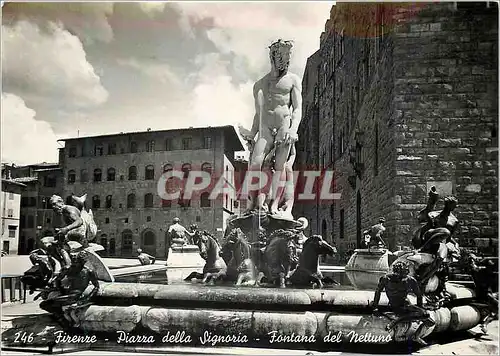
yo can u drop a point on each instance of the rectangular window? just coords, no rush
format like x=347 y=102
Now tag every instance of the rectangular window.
x=50 y=181
x=98 y=150
x=84 y=149
x=150 y=146
x=72 y=151
x=12 y=230
x=186 y=143
x=341 y=224
x=168 y=144
x=112 y=149
x=11 y=196
x=207 y=142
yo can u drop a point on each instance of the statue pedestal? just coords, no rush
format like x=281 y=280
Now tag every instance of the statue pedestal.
x=185 y=256
x=257 y=223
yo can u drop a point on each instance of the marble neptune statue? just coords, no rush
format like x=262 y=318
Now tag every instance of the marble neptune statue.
x=278 y=111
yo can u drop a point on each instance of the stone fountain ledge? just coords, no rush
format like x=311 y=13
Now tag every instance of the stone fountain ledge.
x=233 y=297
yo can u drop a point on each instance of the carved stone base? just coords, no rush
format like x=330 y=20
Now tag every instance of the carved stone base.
x=255 y=222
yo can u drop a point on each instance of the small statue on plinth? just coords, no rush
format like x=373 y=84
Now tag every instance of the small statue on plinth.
x=373 y=236
x=397 y=285
x=179 y=235
x=144 y=258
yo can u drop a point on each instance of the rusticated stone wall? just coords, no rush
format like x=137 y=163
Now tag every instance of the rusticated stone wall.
x=446 y=114
x=417 y=86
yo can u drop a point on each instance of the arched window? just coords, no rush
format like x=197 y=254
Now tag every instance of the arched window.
x=186 y=168
x=131 y=200
x=167 y=168
x=71 y=177
x=96 y=202
x=148 y=200
x=204 y=200
x=149 y=242
x=207 y=167
x=111 y=174
x=149 y=173
x=127 y=242
x=84 y=176
x=149 y=238
x=109 y=200
x=97 y=175
x=133 y=147
x=132 y=173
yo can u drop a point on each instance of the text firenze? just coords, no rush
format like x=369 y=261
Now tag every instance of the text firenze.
x=309 y=186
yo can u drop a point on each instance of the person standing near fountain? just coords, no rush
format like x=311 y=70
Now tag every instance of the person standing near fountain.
x=276 y=121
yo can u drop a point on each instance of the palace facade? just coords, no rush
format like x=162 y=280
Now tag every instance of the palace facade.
x=402 y=97
x=121 y=173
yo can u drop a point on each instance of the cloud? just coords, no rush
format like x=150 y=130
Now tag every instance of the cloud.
x=161 y=72
x=102 y=68
x=88 y=21
x=152 y=8
x=49 y=65
x=25 y=140
x=246 y=29
x=215 y=99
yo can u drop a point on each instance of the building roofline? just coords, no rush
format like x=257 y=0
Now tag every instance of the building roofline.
x=237 y=144
x=47 y=169
x=146 y=132
x=10 y=181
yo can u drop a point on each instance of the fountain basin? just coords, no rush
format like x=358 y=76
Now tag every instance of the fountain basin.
x=260 y=325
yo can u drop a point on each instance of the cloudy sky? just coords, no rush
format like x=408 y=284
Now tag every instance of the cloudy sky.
x=102 y=68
